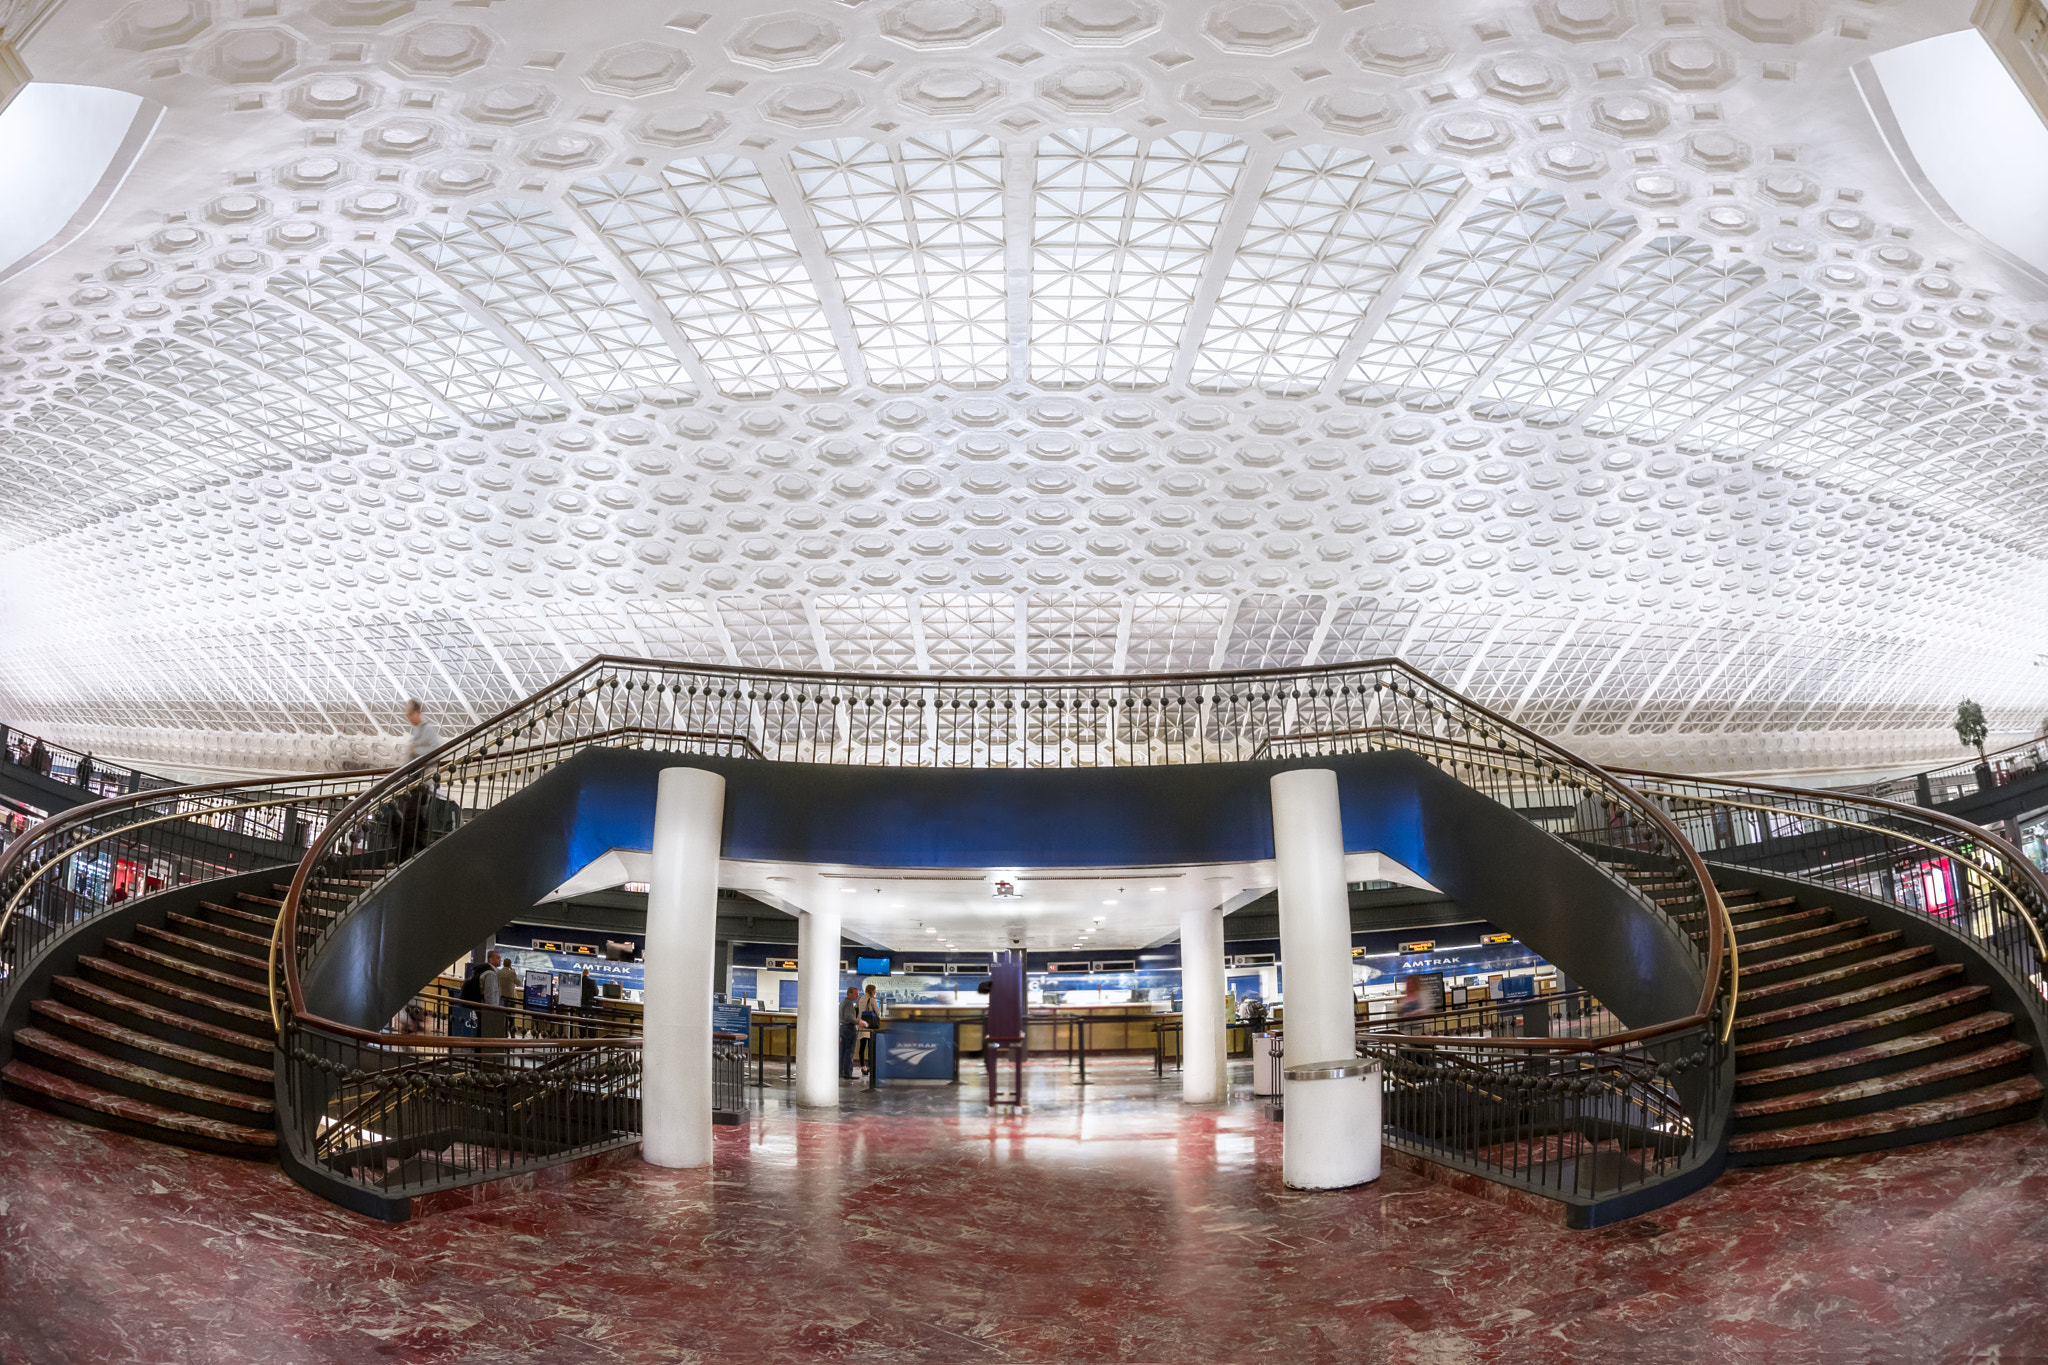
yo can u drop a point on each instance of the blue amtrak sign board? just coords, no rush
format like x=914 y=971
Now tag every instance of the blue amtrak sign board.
x=919 y=1050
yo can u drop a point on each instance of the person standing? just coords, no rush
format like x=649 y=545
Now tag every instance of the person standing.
x=491 y=982
x=871 y=1026
x=849 y=1026
x=84 y=772
x=508 y=986
x=39 y=758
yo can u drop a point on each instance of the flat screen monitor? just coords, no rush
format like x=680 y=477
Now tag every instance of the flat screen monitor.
x=871 y=966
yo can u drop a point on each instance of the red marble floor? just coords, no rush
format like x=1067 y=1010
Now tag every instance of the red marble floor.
x=916 y=1228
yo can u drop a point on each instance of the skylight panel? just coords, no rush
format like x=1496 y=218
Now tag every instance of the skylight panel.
x=1836 y=435
x=1365 y=628
x=1072 y=633
x=1516 y=254
x=1326 y=237
x=1174 y=632
x=1918 y=448
x=337 y=372
x=520 y=261
x=1655 y=294
x=1272 y=631
x=868 y=632
x=676 y=629
x=111 y=479
x=423 y=332
x=1809 y=386
x=1782 y=322
x=769 y=632
x=710 y=243
x=916 y=242
x=164 y=424
x=970 y=632
x=283 y=417
x=1122 y=231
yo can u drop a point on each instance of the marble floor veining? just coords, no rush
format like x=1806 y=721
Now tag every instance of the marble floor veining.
x=1105 y=1225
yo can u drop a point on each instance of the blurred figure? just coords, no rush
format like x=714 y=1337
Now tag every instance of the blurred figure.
x=83 y=777
x=424 y=736
x=39 y=758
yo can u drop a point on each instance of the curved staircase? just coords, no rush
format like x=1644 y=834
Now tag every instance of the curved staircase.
x=1849 y=1040
x=165 y=1034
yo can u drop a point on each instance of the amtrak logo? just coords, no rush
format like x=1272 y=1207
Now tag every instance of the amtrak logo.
x=912 y=1054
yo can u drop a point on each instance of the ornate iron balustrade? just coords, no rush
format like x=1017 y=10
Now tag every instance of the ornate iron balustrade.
x=976 y=722
x=1956 y=780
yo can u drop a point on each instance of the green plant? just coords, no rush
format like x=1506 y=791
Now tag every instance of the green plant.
x=1970 y=726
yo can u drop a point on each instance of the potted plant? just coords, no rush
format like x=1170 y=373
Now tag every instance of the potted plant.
x=1972 y=731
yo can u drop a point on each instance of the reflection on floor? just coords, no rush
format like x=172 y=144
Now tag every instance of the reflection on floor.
x=1105 y=1225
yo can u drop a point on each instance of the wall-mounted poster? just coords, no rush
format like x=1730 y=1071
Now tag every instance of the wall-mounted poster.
x=539 y=993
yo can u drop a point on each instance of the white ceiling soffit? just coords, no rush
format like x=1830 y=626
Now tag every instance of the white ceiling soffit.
x=1596 y=357
x=606 y=872
x=1965 y=132
x=64 y=152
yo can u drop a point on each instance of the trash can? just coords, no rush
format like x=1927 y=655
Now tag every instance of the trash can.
x=1266 y=1049
x=1331 y=1139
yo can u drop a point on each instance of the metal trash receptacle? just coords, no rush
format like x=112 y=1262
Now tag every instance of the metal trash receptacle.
x=1331 y=1139
x=1266 y=1063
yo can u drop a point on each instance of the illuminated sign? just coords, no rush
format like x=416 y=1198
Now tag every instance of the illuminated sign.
x=1358 y=952
x=1419 y=946
x=781 y=964
x=1497 y=938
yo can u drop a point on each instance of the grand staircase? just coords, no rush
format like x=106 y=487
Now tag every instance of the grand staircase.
x=1849 y=1039
x=165 y=1034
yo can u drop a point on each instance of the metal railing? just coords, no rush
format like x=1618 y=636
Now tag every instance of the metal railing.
x=949 y=722
x=81 y=863
x=729 y=1057
x=61 y=764
x=1934 y=866
x=439 y=1010
x=1938 y=786
x=1558 y=1014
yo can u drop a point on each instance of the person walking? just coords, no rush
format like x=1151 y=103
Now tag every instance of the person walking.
x=423 y=736
x=849 y=1025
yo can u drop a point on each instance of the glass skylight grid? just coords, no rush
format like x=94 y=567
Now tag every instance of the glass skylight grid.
x=1513 y=256
x=915 y=237
x=1270 y=631
x=277 y=414
x=1122 y=230
x=423 y=332
x=523 y=264
x=970 y=632
x=1803 y=389
x=771 y=632
x=709 y=241
x=1328 y=233
x=1072 y=634
x=1174 y=632
x=1833 y=436
x=1655 y=294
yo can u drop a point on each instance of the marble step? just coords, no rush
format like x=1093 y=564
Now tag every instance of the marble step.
x=240 y=939
x=104 y=1108
x=273 y=904
x=1777 y=969
x=235 y=916
x=2006 y=1102
x=180 y=996
x=1763 y=951
x=1856 y=1063
x=226 y=1042
x=165 y=962
x=1838 y=976
x=1889 y=1090
x=63 y=1057
x=206 y=954
x=1843 y=1004
x=1864 y=1028
x=1778 y=921
x=143 y=1049
x=1740 y=913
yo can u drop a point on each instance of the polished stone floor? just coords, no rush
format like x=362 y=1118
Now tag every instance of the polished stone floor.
x=914 y=1227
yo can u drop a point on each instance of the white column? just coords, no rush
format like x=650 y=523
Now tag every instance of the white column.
x=1202 y=1038
x=682 y=924
x=817 y=1008
x=1315 y=916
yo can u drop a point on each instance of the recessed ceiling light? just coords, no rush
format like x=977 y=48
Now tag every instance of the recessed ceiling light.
x=1158 y=888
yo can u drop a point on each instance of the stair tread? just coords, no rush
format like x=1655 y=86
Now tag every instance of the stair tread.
x=79 y=1055
x=172 y=988
x=73 y=1017
x=157 y=1014
x=1777 y=920
x=1772 y=904
x=1823 y=954
x=1798 y=936
x=137 y=1111
x=250 y=915
x=210 y=949
x=1896 y=1015
x=2005 y=1095
x=179 y=964
x=1988 y=1022
x=1839 y=973
x=271 y=901
x=1999 y=1055
x=1860 y=996
x=240 y=936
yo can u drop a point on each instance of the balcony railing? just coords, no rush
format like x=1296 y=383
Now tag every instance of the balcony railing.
x=1938 y=786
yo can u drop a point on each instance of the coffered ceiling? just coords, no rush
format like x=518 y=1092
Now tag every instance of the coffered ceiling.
x=1596 y=356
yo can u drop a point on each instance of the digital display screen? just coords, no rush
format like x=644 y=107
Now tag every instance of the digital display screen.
x=871 y=966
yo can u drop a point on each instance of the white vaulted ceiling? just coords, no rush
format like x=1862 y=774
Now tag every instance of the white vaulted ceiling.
x=1594 y=356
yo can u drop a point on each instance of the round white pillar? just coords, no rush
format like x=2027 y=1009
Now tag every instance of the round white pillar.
x=1315 y=916
x=682 y=923
x=817 y=1008
x=1202 y=1038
